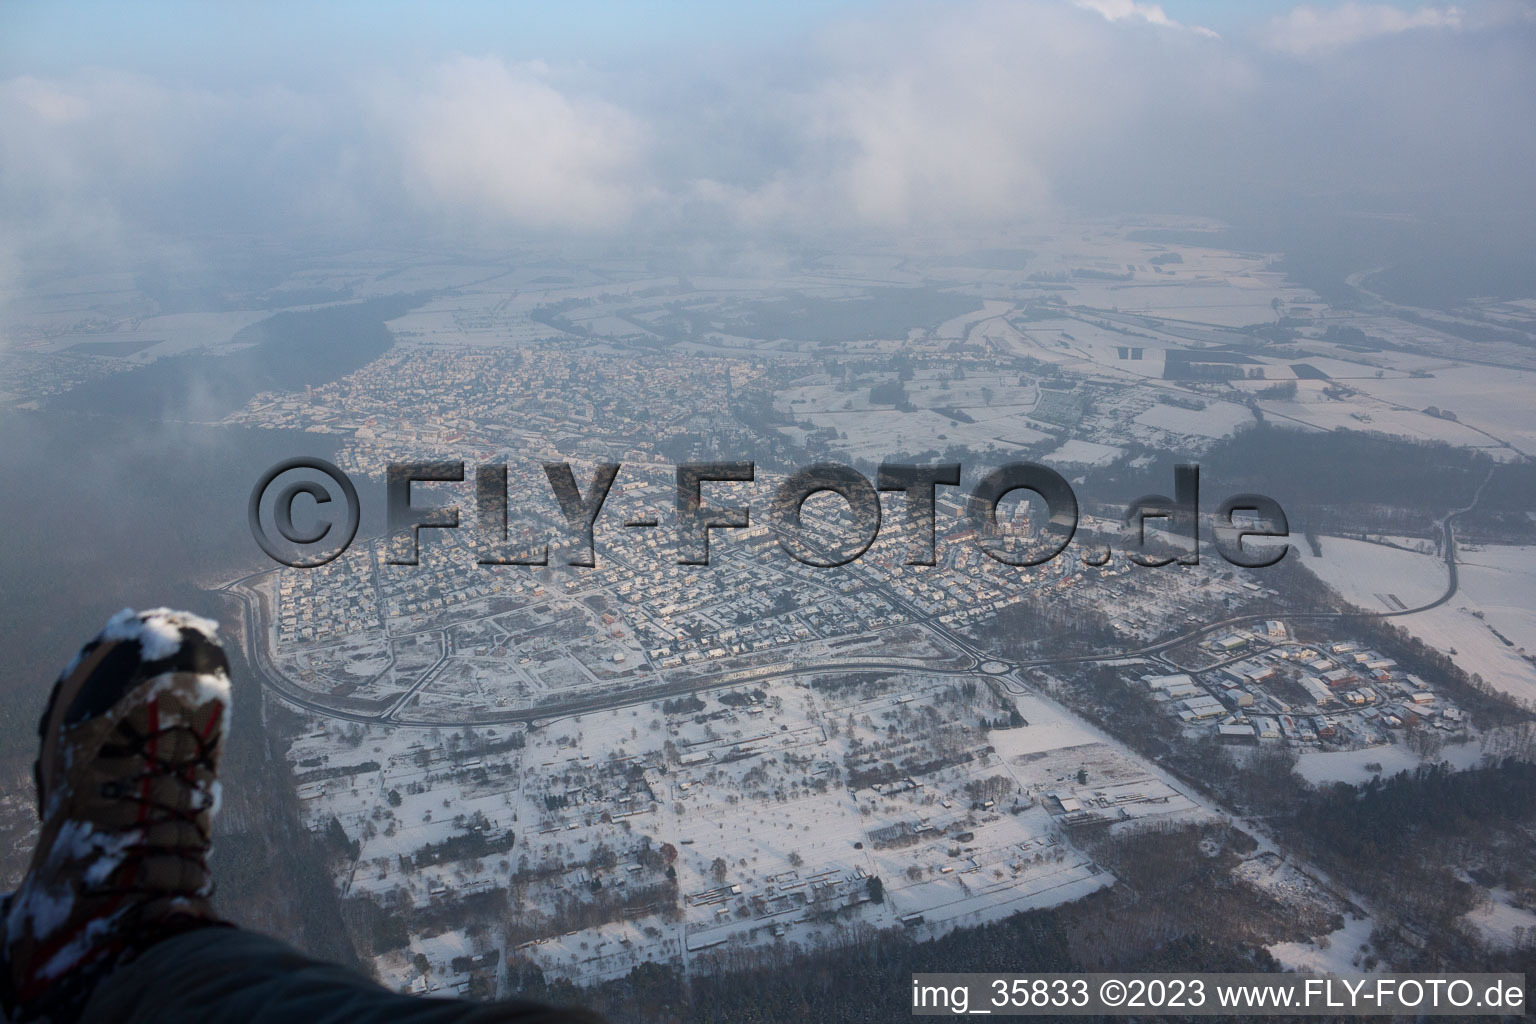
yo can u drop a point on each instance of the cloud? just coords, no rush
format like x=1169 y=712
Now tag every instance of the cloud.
x=915 y=120
x=1307 y=30
x=924 y=121
x=1152 y=14
x=72 y=156
x=478 y=138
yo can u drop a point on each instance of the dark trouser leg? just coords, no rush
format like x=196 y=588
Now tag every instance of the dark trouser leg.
x=217 y=975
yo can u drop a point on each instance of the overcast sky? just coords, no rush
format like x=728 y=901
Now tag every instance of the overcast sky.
x=160 y=127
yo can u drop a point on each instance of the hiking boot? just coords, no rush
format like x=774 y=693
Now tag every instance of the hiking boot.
x=127 y=790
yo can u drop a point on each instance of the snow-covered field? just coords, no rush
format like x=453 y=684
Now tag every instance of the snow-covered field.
x=1489 y=626
x=648 y=833
x=1502 y=922
x=1218 y=419
x=1339 y=952
x=1310 y=408
x=1233 y=299
x=1493 y=399
x=1491 y=406
x=155 y=336
x=1377 y=577
x=1084 y=453
x=1355 y=766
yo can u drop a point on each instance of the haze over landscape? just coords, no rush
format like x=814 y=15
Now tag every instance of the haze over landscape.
x=1290 y=243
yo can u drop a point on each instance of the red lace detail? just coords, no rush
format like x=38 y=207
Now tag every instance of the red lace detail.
x=205 y=744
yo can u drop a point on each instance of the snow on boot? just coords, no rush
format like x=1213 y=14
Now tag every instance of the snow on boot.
x=126 y=789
